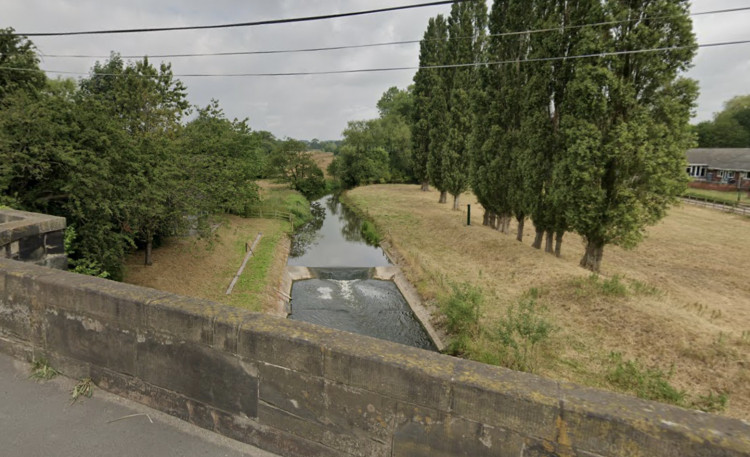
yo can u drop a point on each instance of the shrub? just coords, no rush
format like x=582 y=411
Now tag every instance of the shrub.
x=462 y=313
x=521 y=332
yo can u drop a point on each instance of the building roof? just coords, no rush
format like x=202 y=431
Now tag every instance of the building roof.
x=733 y=159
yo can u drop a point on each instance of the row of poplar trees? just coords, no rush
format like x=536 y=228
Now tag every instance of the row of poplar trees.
x=570 y=113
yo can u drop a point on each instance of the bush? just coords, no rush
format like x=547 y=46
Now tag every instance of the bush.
x=521 y=332
x=462 y=313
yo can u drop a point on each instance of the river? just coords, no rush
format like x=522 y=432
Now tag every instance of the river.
x=342 y=295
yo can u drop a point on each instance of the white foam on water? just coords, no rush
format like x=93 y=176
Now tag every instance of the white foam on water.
x=346 y=288
x=371 y=291
x=325 y=293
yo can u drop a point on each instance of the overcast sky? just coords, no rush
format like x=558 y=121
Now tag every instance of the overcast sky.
x=306 y=107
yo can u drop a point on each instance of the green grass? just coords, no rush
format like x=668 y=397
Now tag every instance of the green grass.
x=287 y=200
x=253 y=279
x=648 y=383
x=616 y=286
x=370 y=233
x=652 y=383
x=716 y=196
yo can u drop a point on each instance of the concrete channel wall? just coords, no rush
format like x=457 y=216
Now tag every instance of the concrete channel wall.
x=301 y=390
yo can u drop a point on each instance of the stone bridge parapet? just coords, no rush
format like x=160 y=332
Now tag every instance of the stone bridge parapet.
x=33 y=237
x=297 y=389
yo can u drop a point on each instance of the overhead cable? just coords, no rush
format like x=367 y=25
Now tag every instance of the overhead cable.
x=388 y=69
x=372 y=45
x=244 y=24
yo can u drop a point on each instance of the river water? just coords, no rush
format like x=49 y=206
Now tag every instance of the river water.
x=343 y=296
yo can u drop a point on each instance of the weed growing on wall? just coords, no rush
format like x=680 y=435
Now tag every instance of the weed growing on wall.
x=41 y=370
x=84 y=388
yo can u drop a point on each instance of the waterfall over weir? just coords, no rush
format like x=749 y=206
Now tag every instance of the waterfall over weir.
x=346 y=299
x=342 y=293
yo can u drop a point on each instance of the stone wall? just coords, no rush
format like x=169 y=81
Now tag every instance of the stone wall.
x=301 y=390
x=33 y=237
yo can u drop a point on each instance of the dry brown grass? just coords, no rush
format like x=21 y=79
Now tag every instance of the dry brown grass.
x=322 y=160
x=204 y=269
x=696 y=323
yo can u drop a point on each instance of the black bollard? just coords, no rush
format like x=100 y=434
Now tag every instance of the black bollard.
x=468 y=214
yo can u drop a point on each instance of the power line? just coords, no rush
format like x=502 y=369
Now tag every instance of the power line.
x=244 y=24
x=381 y=44
x=389 y=69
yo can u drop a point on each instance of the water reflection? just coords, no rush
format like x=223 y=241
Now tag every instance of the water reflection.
x=307 y=235
x=334 y=241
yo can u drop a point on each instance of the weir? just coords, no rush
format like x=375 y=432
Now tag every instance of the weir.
x=339 y=290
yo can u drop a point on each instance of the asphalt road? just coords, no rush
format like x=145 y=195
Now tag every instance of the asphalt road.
x=37 y=419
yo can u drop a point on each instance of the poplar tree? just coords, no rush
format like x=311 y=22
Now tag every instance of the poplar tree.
x=426 y=81
x=626 y=130
x=466 y=26
x=436 y=105
x=500 y=155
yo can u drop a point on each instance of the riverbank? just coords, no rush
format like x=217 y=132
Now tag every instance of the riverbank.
x=673 y=313
x=204 y=268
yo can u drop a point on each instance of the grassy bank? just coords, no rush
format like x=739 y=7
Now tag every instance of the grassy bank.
x=204 y=268
x=669 y=320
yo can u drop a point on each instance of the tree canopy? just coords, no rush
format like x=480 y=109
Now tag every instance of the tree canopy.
x=114 y=155
x=730 y=128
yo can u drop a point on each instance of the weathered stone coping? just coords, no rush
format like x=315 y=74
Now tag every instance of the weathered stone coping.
x=32 y=237
x=297 y=389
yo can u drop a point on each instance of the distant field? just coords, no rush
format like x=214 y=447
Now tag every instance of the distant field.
x=684 y=307
x=204 y=269
x=323 y=159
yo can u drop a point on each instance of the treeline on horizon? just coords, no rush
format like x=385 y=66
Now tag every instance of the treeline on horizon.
x=123 y=156
x=591 y=145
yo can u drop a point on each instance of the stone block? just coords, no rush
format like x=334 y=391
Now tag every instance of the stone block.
x=361 y=411
x=227 y=321
x=185 y=318
x=89 y=340
x=57 y=262
x=605 y=423
x=425 y=432
x=198 y=372
x=520 y=402
x=390 y=369
x=299 y=404
x=272 y=439
x=299 y=394
x=31 y=248
x=290 y=344
x=114 y=303
x=133 y=388
x=55 y=242
x=21 y=300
